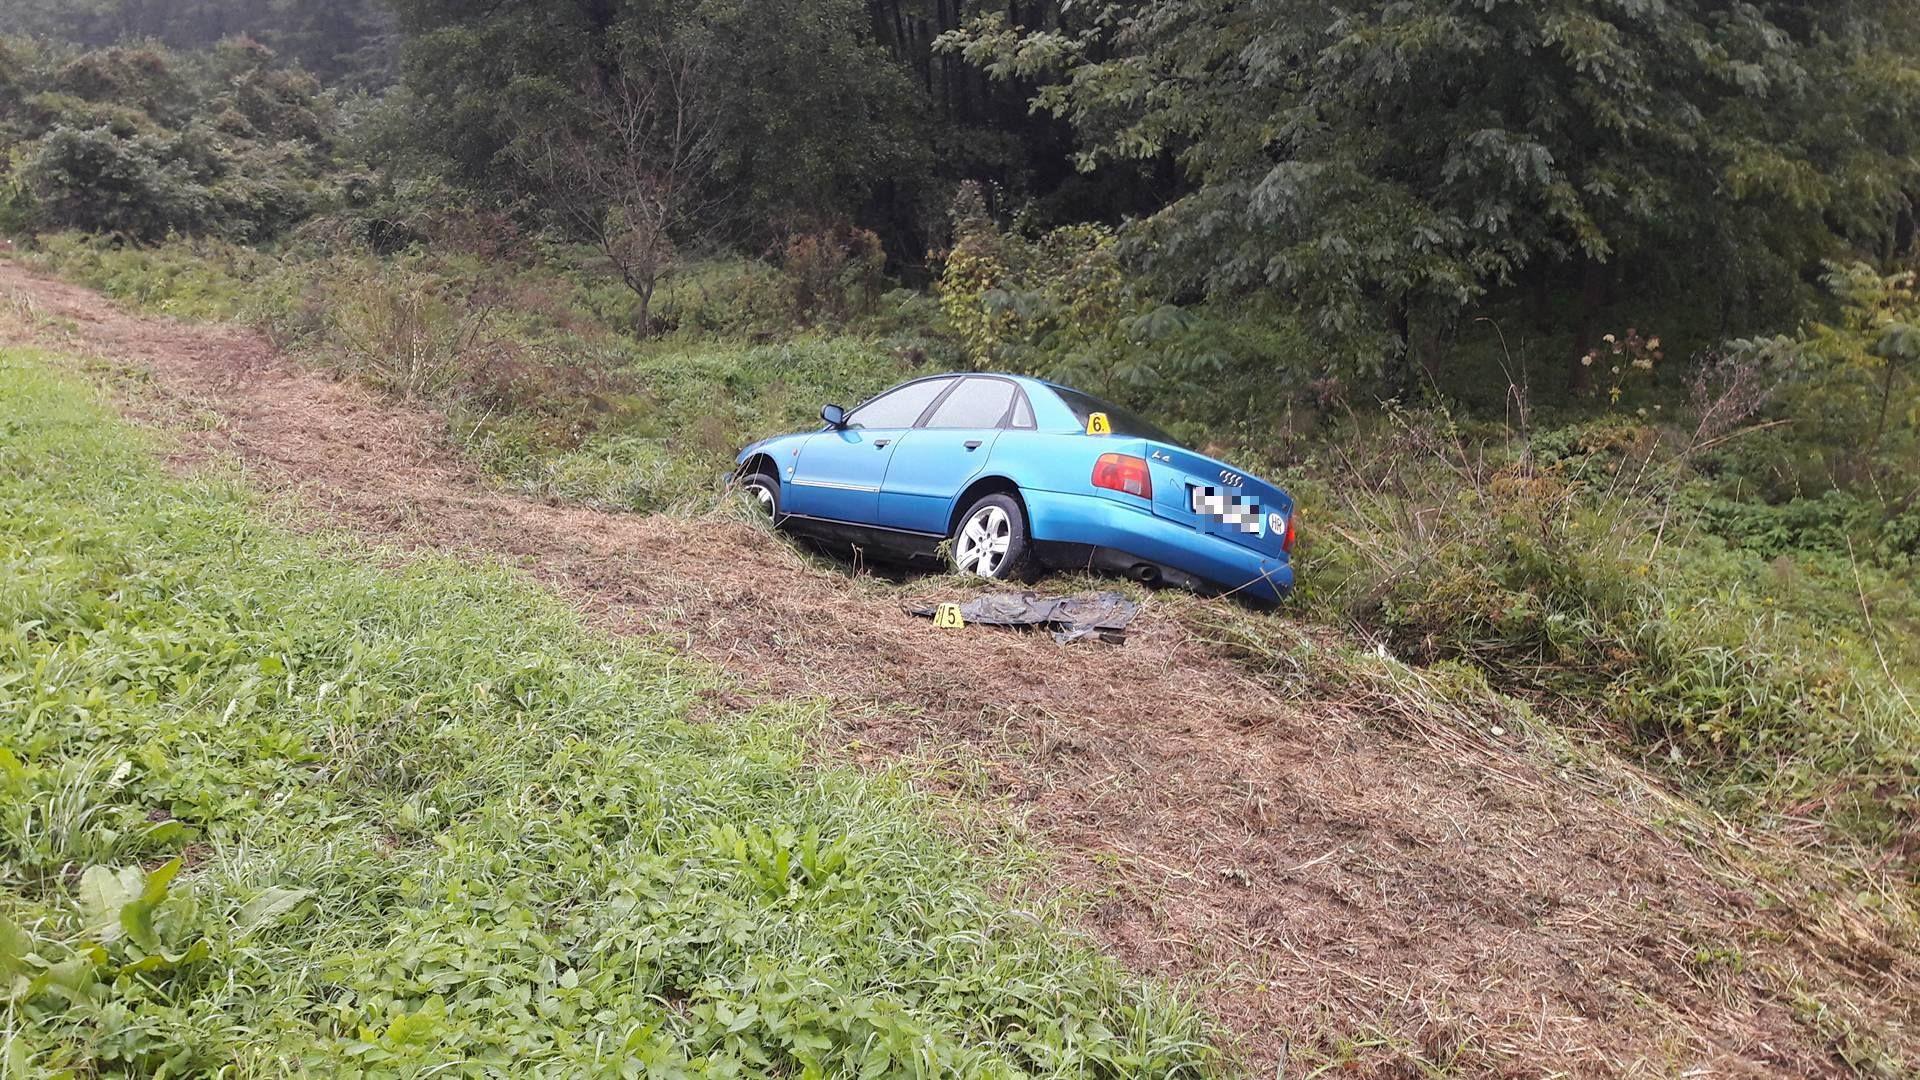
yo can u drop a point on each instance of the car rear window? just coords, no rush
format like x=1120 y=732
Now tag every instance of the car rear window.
x=1124 y=423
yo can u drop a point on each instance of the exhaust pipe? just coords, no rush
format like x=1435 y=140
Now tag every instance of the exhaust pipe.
x=1145 y=574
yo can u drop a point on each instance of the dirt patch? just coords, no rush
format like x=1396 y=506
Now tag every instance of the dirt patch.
x=1322 y=884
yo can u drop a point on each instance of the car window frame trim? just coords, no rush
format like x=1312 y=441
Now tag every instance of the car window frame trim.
x=951 y=379
x=1005 y=423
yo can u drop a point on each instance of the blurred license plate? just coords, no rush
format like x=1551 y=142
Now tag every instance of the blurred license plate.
x=1228 y=508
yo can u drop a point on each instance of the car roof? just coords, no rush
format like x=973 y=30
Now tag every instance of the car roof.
x=1027 y=381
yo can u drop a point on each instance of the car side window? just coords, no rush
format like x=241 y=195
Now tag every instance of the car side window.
x=977 y=403
x=900 y=407
x=1022 y=412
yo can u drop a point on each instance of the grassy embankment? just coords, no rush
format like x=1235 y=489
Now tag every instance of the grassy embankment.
x=530 y=360
x=1620 y=568
x=283 y=810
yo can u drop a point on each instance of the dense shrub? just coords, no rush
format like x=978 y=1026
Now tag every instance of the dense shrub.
x=17 y=212
x=144 y=79
x=142 y=143
x=1580 y=566
x=833 y=273
x=1827 y=523
x=1047 y=305
x=1848 y=394
x=98 y=181
x=730 y=298
x=1059 y=304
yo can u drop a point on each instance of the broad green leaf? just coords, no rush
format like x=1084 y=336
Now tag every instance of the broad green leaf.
x=104 y=894
x=15 y=945
x=166 y=961
x=71 y=976
x=164 y=833
x=157 y=882
x=640 y=1036
x=136 y=918
x=267 y=907
x=136 y=915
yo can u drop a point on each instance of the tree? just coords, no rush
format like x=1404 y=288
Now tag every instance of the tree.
x=342 y=41
x=139 y=187
x=809 y=116
x=632 y=175
x=1854 y=385
x=1390 y=162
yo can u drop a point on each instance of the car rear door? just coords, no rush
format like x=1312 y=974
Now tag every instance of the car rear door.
x=937 y=460
x=838 y=473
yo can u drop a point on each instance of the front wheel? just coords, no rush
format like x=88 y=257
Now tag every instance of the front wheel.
x=991 y=539
x=765 y=492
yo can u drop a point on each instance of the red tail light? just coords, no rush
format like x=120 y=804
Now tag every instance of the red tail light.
x=1123 y=472
x=1286 y=545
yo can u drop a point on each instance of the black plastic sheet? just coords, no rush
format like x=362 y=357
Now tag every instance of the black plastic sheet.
x=1105 y=615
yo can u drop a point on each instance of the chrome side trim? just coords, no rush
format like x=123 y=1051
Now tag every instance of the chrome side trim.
x=838 y=487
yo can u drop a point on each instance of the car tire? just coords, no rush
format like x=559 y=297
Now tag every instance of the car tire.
x=764 y=490
x=993 y=533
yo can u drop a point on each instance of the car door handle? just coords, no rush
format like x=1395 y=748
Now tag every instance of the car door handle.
x=973 y=444
x=881 y=444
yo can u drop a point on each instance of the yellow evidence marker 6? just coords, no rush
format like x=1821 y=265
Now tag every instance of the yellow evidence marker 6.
x=1097 y=424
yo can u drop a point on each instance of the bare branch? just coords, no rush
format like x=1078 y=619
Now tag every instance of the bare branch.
x=632 y=177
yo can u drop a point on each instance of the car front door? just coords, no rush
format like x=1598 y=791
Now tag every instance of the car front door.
x=935 y=461
x=838 y=472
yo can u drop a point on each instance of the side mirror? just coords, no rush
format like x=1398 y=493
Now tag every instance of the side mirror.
x=834 y=415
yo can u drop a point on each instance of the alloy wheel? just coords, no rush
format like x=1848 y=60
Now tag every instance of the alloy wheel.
x=763 y=496
x=983 y=542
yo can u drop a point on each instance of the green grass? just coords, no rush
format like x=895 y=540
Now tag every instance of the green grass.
x=689 y=406
x=1772 y=683
x=196 y=279
x=540 y=385
x=267 y=810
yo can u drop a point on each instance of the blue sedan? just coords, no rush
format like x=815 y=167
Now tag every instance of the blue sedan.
x=1007 y=476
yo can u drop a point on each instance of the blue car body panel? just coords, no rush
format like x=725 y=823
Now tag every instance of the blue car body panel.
x=904 y=484
x=837 y=473
x=930 y=469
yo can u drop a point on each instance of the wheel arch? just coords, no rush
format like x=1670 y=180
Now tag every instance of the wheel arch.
x=980 y=488
x=758 y=463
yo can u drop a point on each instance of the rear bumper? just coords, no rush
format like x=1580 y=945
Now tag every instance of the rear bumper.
x=1088 y=531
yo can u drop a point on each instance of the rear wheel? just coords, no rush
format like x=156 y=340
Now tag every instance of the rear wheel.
x=991 y=539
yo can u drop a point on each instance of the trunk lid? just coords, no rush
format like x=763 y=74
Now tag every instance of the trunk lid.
x=1215 y=498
